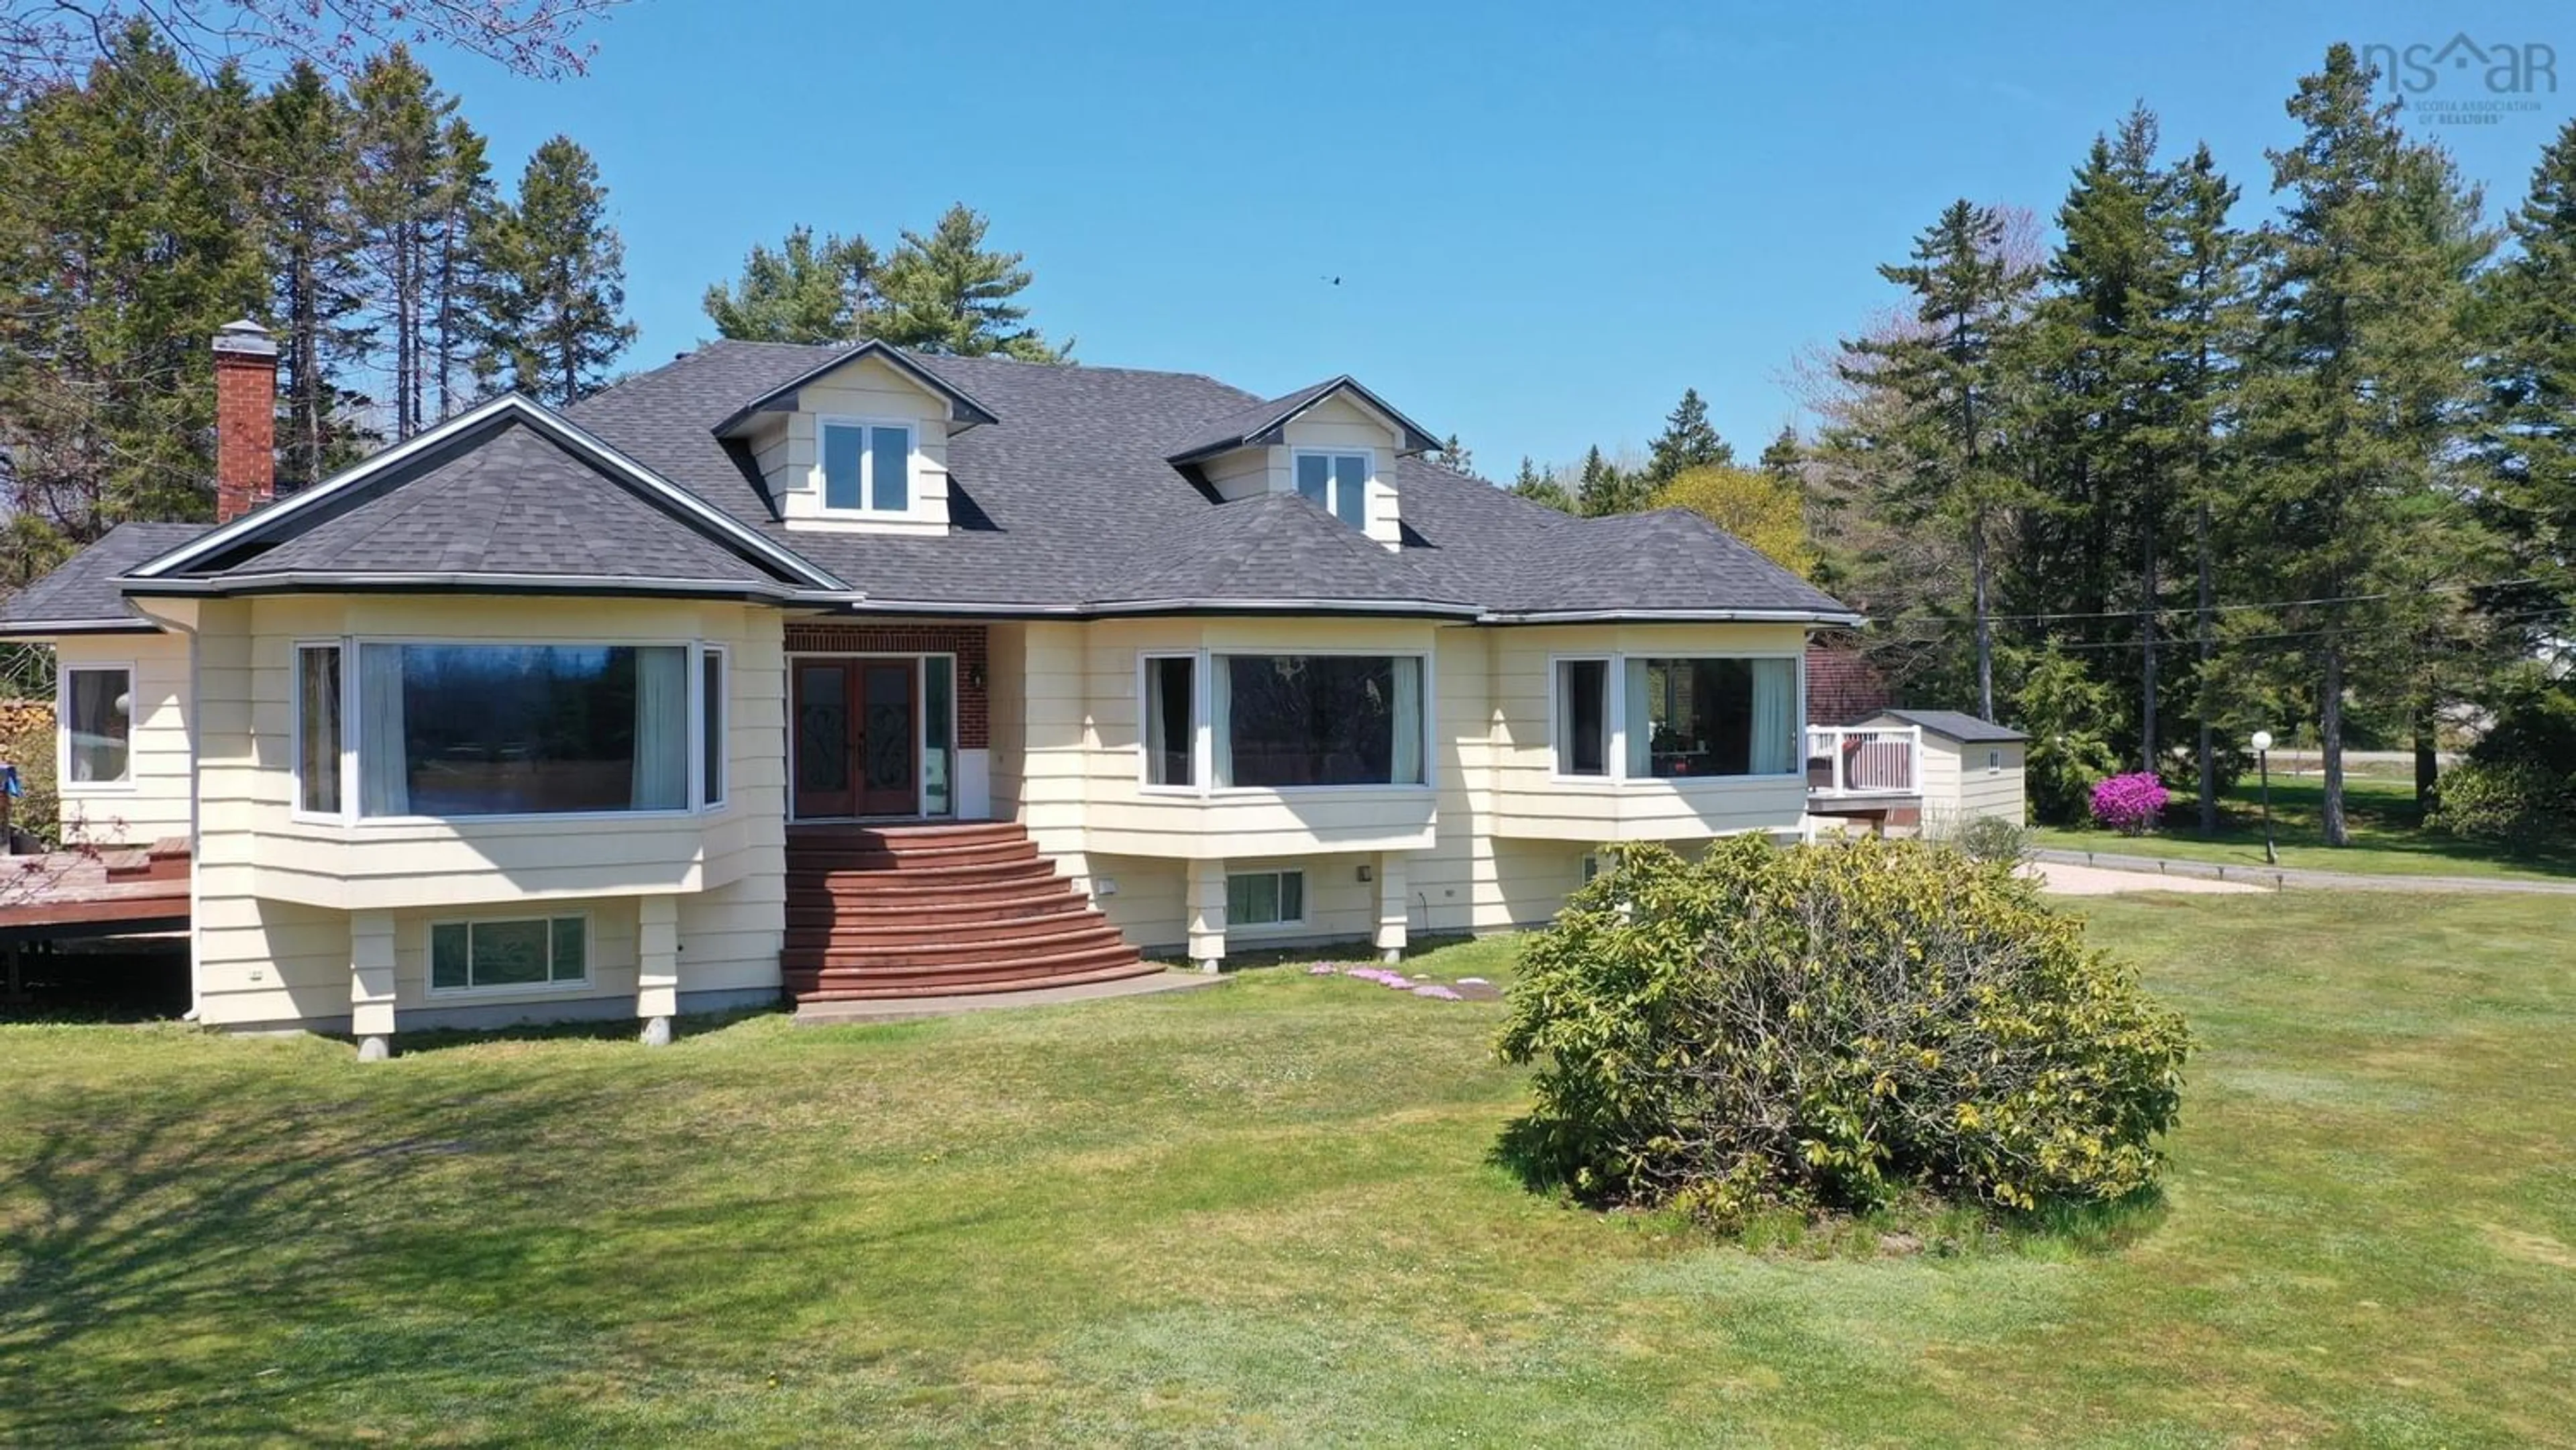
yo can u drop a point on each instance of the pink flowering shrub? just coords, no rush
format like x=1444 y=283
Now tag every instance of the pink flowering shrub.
x=2130 y=804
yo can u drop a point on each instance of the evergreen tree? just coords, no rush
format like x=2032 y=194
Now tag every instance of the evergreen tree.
x=946 y=293
x=1688 y=441
x=1950 y=375
x=804 y=291
x=459 y=364
x=2203 y=332
x=125 y=241
x=400 y=203
x=1784 y=456
x=1604 y=488
x=2362 y=366
x=1454 y=456
x=305 y=168
x=2528 y=438
x=1538 y=487
x=557 y=308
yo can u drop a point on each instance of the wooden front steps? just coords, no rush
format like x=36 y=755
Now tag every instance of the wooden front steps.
x=919 y=911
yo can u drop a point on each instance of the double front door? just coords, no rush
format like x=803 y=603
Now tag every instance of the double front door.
x=858 y=737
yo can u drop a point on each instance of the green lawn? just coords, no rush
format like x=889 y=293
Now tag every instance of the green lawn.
x=2387 y=837
x=1267 y=1213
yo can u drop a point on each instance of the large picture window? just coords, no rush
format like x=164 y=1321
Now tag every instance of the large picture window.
x=1308 y=720
x=98 y=725
x=483 y=729
x=1711 y=717
x=468 y=955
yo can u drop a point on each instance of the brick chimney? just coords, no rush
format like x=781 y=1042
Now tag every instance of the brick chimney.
x=245 y=419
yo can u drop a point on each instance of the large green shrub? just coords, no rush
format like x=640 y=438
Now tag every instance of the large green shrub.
x=2522 y=804
x=1834 y=1027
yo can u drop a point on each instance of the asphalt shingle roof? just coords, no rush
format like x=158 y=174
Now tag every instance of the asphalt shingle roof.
x=515 y=502
x=1958 y=725
x=1067 y=501
x=83 y=591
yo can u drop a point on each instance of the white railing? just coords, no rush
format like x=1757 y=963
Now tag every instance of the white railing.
x=1850 y=760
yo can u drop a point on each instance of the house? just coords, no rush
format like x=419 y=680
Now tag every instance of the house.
x=857 y=672
x=1970 y=766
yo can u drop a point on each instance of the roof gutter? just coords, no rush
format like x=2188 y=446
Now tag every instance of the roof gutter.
x=48 y=628
x=1811 y=617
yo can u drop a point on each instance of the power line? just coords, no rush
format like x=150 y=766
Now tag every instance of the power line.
x=2182 y=611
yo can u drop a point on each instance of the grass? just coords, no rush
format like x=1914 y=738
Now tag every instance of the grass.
x=1270 y=1214
x=2388 y=837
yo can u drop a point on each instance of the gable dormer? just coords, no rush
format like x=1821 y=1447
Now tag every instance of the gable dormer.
x=1335 y=444
x=858 y=443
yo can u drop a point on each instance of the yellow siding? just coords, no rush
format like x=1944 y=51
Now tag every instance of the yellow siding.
x=790 y=458
x=274 y=894
x=152 y=802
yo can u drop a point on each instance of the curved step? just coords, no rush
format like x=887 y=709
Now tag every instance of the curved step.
x=891 y=928
x=843 y=988
x=911 y=877
x=941 y=953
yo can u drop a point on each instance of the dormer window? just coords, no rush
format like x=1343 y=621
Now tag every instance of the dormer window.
x=867 y=467
x=1337 y=482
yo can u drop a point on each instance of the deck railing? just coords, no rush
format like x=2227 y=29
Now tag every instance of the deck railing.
x=1859 y=760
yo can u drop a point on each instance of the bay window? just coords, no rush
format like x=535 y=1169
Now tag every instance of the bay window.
x=1689 y=718
x=1337 y=483
x=97 y=714
x=1286 y=721
x=457 y=730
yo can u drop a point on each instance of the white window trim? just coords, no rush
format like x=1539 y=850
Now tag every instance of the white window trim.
x=722 y=797
x=1995 y=760
x=1612 y=742
x=1332 y=481
x=352 y=728
x=920 y=726
x=429 y=956
x=348 y=761
x=868 y=508
x=64 y=785
x=1203 y=747
x=1282 y=926
x=1617 y=684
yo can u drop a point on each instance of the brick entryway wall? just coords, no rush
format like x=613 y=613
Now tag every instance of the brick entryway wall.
x=966 y=641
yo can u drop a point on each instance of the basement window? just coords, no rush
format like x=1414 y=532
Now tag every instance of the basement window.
x=1265 y=898
x=541 y=951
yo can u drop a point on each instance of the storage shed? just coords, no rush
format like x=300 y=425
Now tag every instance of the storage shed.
x=1970 y=767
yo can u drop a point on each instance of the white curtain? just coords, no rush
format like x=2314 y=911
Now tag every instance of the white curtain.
x=1775 y=716
x=384 y=780
x=1640 y=723
x=1221 y=719
x=1408 y=721
x=661 y=728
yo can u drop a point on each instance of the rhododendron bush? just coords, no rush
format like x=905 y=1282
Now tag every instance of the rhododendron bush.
x=2130 y=804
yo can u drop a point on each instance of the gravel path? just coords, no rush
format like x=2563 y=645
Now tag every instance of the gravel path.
x=2174 y=873
x=2061 y=878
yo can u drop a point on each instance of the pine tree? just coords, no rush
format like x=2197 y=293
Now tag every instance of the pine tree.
x=399 y=199
x=2362 y=366
x=2203 y=332
x=804 y=291
x=1950 y=374
x=1538 y=487
x=946 y=293
x=1453 y=455
x=1688 y=441
x=1604 y=488
x=459 y=365
x=1785 y=456
x=2528 y=438
x=557 y=296
x=305 y=168
x=125 y=241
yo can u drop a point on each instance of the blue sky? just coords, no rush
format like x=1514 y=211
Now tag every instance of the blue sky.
x=1547 y=219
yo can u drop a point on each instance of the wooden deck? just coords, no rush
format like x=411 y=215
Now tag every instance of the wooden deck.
x=65 y=894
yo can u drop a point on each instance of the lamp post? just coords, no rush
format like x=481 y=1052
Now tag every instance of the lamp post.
x=2263 y=760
